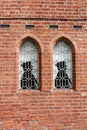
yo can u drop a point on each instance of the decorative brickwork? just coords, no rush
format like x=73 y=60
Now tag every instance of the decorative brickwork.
x=48 y=108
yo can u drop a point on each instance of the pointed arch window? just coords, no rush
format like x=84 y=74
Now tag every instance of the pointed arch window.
x=62 y=68
x=29 y=65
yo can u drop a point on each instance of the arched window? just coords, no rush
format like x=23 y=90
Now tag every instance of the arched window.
x=62 y=60
x=29 y=65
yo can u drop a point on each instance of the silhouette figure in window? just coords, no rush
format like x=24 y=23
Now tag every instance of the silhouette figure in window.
x=28 y=80
x=62 y=80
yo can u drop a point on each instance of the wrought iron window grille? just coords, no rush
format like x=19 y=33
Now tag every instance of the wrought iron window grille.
x=62 y=65
x=29 y=66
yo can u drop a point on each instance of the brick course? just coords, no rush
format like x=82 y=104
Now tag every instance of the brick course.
x=47 y=108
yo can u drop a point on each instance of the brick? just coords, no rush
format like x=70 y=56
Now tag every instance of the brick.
x=47 y=108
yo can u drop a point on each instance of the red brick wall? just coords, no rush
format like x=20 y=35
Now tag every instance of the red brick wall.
x=47 y=108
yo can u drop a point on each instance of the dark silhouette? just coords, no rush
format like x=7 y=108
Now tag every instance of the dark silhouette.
x=28 y=80
x=62 y=80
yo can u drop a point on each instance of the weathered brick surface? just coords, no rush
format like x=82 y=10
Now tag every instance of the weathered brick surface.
x=47 y=108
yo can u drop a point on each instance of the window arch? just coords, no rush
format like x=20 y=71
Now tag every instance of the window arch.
x=29 y=65
x=62 y=65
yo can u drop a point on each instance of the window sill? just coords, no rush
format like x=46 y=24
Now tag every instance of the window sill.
x=63 y=90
